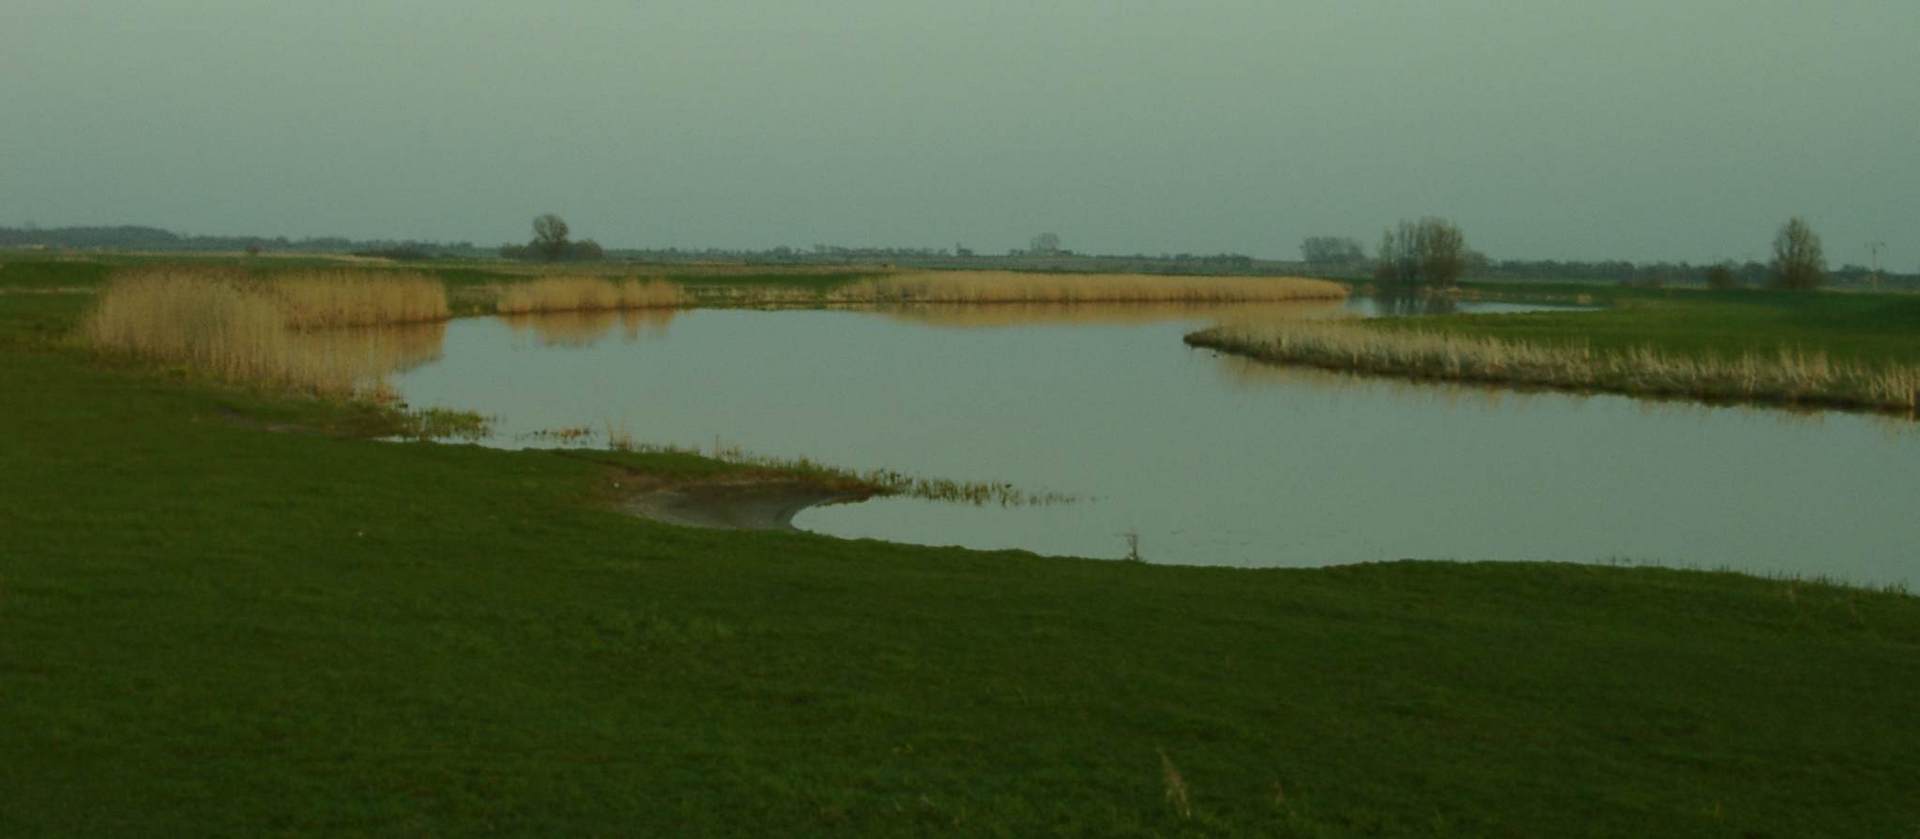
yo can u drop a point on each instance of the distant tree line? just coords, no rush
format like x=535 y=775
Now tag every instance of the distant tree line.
x=1416 y=253
x=1332 y=252
x=139 y=237
x=1433 y=252
x=552 y=242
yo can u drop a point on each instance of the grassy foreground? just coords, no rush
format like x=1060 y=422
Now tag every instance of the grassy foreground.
x=214 y=622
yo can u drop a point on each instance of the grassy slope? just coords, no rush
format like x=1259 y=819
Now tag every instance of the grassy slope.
x=1869 y=327
x=210 y=628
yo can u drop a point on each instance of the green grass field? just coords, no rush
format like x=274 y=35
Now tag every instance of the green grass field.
x=229 y=613
x=1846 y=325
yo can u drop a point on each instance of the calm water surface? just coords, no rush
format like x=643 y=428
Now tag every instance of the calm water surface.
x=1210 y=459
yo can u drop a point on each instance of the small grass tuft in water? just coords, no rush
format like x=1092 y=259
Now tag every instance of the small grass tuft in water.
x=570 y=434
x=444 y=424
x=877 y=481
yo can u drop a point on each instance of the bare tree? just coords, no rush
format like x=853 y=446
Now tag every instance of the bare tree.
x=1431 y=251
x=1331 y=251
x=549 y=236
x=1443 y=252
x=1045 y=244
x=1394 y=262
x=1798 y=262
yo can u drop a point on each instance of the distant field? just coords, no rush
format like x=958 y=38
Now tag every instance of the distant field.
x=1858 y=326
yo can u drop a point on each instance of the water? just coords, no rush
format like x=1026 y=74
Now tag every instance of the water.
x=1209 y=459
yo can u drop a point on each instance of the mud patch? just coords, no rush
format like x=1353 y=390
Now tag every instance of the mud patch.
x=750 y=504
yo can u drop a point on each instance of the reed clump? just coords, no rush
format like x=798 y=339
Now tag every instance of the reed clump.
x=265 y=332
x=1015 y=287
x=331 y=299
x=1786 y=377
x=586 y=294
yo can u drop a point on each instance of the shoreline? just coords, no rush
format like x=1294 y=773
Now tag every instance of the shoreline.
x=767 y=503
x=1809 y=383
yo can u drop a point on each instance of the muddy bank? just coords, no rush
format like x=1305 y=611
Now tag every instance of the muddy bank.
x=743 y=503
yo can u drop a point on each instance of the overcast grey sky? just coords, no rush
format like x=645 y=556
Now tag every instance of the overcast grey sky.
x=1640 y=129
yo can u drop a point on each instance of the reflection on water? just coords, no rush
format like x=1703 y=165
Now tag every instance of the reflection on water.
x=1252 y=374
x=1244 y=372
x=1089 y=314
x=1234 y=314
x=1211 y=459
x=585 y=328
x=1403 y=303
x=370 y=352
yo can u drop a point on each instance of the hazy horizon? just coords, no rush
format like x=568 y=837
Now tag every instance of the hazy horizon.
x=1635 y=130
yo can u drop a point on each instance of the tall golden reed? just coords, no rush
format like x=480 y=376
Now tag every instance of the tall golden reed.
x=233 y=327
x=325 y=299
x=583 y=294
x=1785 y=377
x=1015 y=287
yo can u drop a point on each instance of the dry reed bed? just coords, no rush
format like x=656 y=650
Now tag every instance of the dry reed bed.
x=1789 y=377
x=276 y=333
x=586 y=294
x=327 y=299
x=1014 y=287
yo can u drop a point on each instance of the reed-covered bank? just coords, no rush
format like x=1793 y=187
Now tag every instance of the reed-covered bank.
x=330 y=333
x=1014 y=287
x=587 y=294
x=1785 y=377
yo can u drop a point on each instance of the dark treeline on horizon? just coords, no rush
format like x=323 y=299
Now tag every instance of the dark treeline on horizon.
x=145 y=238
x=1646 y=274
